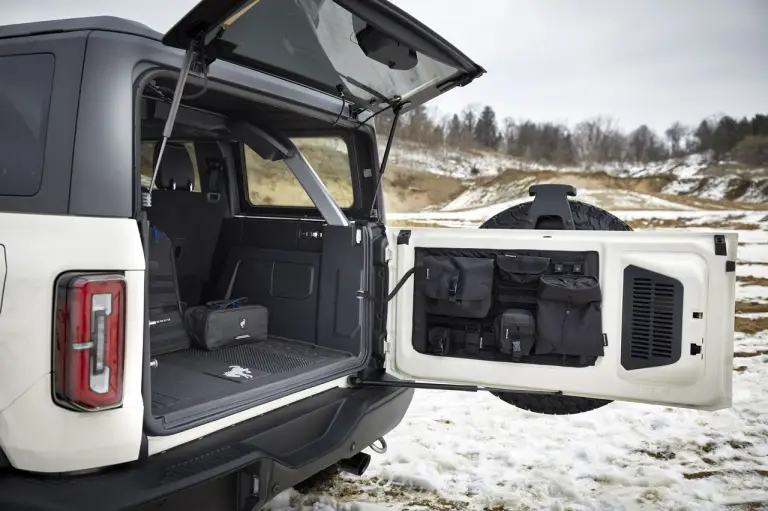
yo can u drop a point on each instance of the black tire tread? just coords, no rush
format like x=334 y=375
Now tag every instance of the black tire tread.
x=552 y=405
x=586 y=217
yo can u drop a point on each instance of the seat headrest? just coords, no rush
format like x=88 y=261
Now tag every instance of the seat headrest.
x=176 y=170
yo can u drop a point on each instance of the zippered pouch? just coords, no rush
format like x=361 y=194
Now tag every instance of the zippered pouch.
x=458 y=286
x=515 y=331
x=520 y=270
x=569 y=316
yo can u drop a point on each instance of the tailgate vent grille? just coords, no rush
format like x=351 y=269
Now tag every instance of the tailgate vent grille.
x=652 y=317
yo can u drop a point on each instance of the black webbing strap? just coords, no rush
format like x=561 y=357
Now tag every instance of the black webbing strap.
x=390 y=296
x=473 y=337
x=215 y=167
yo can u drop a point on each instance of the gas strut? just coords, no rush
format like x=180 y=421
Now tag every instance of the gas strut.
x=359 y=382
x=186 y=65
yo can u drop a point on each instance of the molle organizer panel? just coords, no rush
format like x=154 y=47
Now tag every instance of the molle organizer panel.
x=652 y=319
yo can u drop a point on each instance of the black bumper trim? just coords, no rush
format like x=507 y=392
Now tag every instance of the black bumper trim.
x=281 y=448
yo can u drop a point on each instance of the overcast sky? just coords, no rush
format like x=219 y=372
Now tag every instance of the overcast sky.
x=640 y=61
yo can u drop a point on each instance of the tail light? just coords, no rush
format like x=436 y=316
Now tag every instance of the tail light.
x=90 y=341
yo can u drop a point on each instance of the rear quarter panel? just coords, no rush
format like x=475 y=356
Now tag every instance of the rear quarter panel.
x=35 y=433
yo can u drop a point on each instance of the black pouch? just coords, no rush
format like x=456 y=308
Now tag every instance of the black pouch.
x=225 y=323
x=439 y=338
x=569 y=317
x=458 y=286
x=520 y=270
x=515 y=331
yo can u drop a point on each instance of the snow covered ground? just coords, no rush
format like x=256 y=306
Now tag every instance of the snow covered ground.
x=464 y=451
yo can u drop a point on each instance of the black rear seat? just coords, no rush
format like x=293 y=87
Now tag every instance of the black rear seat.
x=190 y=219
x=166 y=330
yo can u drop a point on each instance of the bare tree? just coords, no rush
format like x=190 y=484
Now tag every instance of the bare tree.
x=645 y=146
x=509 y=132
x=598 y=139
x=675 y=134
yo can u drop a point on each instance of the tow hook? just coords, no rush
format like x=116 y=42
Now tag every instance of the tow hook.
x=381 y=448
x=356 y=465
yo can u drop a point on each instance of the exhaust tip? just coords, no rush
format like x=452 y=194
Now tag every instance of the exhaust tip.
x=356 y=465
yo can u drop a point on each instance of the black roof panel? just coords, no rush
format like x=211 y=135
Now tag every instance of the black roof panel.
x=105 y=23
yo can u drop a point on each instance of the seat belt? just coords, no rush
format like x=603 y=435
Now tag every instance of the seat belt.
x=231 y=285
x=215 y=167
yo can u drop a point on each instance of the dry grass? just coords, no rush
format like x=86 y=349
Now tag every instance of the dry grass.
x=412 y=223
x=749 y=280
x=750 y=354
x=709 y=204
x=751 y=326
x=583 y=180
x=409 y=190
x=751 y=307
x=731 y=224
x=272 y=183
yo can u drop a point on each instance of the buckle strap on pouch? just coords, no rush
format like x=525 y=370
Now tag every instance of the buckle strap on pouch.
x=473 y=339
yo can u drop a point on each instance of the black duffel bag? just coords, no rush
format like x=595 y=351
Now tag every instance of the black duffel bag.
x=223 y=323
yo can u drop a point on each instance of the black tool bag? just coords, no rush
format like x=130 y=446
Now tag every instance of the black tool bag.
x=515 y=331
x=569 y=316
x=458 y=286
x=225 y=323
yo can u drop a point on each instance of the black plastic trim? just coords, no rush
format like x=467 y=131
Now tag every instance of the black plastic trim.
x=282 y=448
x=730 y=266
x=4 y=461
x=144 y=447
x=721 y=249
x=403 y=237
x=651 y=319
x=551 y=200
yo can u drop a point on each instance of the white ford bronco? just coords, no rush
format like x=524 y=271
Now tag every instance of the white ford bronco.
x=172 y=335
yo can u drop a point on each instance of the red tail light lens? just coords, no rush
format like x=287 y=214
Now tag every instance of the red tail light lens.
x=90 y=341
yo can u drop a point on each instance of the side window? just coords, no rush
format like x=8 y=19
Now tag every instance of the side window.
x=26 y=82
x=147 y=157
x=271 y=183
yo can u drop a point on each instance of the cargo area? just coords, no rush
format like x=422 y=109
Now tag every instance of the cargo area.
x=301 y=274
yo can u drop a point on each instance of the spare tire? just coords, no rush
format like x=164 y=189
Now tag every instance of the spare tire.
x=585 y=218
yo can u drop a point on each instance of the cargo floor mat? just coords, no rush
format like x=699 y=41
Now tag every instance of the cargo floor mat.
x=192 y=379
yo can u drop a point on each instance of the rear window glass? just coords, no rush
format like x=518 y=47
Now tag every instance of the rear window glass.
x=26 y=82
x=271 y=183
x=316 y=42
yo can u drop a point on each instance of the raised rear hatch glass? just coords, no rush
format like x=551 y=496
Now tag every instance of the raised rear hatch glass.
x=375 y=53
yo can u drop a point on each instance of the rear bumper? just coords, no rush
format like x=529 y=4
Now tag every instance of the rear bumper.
x=281 y=449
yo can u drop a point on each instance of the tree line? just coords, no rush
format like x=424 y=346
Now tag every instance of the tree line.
x=595 y=140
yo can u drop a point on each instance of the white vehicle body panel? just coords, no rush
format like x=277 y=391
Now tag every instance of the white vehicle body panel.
x=35 y=433
x=702 y=381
